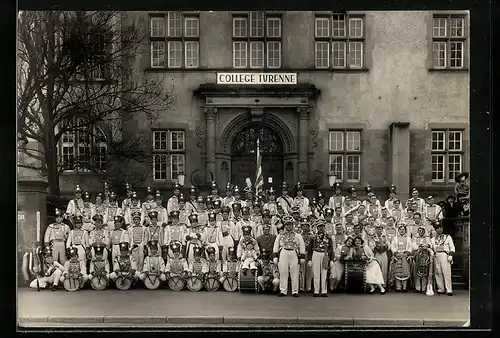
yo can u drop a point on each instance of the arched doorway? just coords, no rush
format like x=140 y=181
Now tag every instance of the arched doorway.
x=244 y=156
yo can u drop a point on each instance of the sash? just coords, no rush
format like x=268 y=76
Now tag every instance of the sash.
x=287 y=202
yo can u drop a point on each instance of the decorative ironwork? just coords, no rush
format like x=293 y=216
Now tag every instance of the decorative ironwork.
x=245 y=142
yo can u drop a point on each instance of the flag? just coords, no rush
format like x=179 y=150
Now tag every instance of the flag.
x=259 y=180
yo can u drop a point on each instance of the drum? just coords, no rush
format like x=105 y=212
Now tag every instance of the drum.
x=98 y=283
x=176 y=283
x=194 y=283
x=230 y=284
x=123 y=282
x=212 y=284
x=248 y=282
x=71 y=284
x=355 y=280
x=152 y=281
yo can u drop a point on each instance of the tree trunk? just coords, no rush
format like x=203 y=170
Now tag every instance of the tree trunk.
x=51 y=162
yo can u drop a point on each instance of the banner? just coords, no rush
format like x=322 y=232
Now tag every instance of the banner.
x=257 y=78
x=259 y=180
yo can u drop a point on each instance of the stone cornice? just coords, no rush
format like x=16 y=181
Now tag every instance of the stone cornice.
x=216 y=90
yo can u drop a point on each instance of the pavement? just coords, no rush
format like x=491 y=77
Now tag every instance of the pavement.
x=165 y=308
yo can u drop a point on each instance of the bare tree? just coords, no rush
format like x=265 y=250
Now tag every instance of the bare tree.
x=78 y=85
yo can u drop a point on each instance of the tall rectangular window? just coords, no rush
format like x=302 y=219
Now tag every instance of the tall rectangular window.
x=174 y=40
x=257 y=40
x=447 y=154
x=345 y=155
x=169 y=156
x=448 y=42
x=344 y=36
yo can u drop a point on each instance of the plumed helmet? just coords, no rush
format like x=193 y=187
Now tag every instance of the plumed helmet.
x=177 y=186
x=210 y=250
x=149 y=191
x=86 y=195
x=298 y=187
x=134 y=195
x=284 y=186
x=236 y=189
x=336 y=185
x=136 y=214
x=392 y=189
x=368 y=188
x=153 y=214
x=124 y=246
x=58 y=212
x=119 y=218
x=78 y=189
x=352 y=189
x=158 y=194
x=214 y=186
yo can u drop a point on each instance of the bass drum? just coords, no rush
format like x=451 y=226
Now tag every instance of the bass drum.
x=355 y=279
x=123 y=283
x=248 y=282
x=71 y=284
x=212 y=284
x=230 y=284
x=152 y=282
x=194 y=283
x=98 y=283
x=176 y=283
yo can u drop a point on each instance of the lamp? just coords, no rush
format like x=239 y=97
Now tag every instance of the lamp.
x=332 y=179
x=270 y=180
x=181 y=178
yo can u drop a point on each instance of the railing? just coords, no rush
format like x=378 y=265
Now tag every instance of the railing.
x=460 y=235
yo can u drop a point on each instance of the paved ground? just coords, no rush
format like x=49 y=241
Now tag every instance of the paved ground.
x=168 y=308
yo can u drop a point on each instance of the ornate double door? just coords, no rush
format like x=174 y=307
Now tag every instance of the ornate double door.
x=244 y=156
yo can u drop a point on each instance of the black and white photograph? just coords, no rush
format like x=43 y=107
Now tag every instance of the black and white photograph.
x=190 y=169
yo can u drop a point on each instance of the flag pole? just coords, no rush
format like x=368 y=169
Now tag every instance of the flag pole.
x=257 y=171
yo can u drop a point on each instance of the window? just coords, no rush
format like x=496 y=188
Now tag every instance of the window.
x=257 y=40
x=339 y=42
x=345 y=155
x=175 y=40
x=447 y=154
x=96 y=66
x=82 y=148
x=169 y=160
x=448 y=42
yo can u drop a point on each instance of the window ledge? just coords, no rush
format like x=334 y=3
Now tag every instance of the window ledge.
x=265 y=70
x=449 y=70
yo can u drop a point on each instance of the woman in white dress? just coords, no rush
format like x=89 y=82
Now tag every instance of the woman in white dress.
x=372 y=268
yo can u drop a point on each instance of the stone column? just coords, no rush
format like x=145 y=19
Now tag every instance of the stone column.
x=303 y=167
x=210 y=115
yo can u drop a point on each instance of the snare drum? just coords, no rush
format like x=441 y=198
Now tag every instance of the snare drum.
x=98 y=283
x=71 y=284
x=123 y=282
x=248 y=282
x=194 y=283
x=176 y=283
x=355 y=277
x=230 y=284
x=152 y=282
x=212 y=284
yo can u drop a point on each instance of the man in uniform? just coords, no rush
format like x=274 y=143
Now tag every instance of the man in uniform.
x=231 y=266
x=421 y=242
x=216 y=210
x=301 y=201
x=289 y=247
x=336 y=200
x=113 y=210
x=225 y=227
x=392 y=197
x=87 y=212
x=74 y=266
x=284 y=200
x=202 y=212
x=124 y=264
x=177 y=265
x=329 y=225
x=229 y=199
x=197 y=266
x=99 y=264
x=415 y=198
x=192 y=205
x=139 y=237
x=269 y=270
x=56 y=236
x=78 y=239
x=305 y=272
x=214 y=189
x=245 y=221
x=319 y=211
x=155 y=230
x=75 y=206
x=118 y=235
x=321 y=256
x=349 y=224
x=213 y=263
x=52 y=272
x=236 y=211
x=444 y=249
x=183 y=212
x=266 y=220
x=175 y=232
x=153 y=263
x=237 y=198
x=271 y=203
x=160 y=209
x=147 y=206
x=212 y=235
x=354 y=198
x=338 y=216
x=397 y=212
x=194 y=237
x=133 y=206
x=173 y=202
x=126 y=202
x=99 y=208
x=107 y=193
x=432 y=212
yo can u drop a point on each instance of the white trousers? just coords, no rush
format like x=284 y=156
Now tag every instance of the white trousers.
x=443 y=272
x=42 y=281
x=249 y=263
x=288 y=265
x=319 y=271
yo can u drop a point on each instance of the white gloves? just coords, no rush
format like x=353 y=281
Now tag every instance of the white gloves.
x=310 y=264
x=302 y=261
x=275 y=260
x=331 y=264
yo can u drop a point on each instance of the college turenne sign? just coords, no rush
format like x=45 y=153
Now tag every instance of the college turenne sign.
x=257 y=78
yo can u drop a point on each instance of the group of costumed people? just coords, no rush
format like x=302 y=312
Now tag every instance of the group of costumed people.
x=209 y=241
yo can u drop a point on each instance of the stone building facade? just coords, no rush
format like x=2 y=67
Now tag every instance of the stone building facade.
x=380 y=98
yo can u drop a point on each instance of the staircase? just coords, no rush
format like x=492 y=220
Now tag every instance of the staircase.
x=457 y=279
